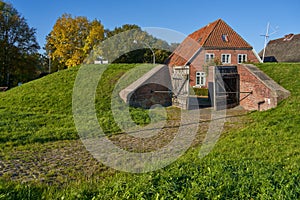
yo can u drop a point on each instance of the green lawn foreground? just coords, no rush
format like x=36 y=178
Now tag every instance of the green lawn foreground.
x=260 y=160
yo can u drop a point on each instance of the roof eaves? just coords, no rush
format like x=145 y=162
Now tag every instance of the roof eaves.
x=229 y=48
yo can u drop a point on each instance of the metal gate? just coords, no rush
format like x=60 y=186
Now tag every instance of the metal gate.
x=225 y=89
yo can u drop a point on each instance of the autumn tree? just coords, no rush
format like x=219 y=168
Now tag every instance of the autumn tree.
x=72 y=39
x=18 y=52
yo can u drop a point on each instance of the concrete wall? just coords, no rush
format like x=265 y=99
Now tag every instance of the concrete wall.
x=152 y=88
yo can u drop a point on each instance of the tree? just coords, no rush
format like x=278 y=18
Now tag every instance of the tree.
x=18 y=47
x=72 y=39
x=130 y=44
x=125 y=27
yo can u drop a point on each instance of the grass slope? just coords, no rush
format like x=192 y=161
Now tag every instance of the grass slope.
x=260 y=160
x=41 y=111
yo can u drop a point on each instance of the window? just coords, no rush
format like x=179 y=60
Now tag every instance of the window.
x=226 y=58
x=209 y=57
x=200 y=78
x=225 y=38
x=242 y=58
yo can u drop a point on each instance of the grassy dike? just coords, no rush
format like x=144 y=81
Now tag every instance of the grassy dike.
x=258 y=160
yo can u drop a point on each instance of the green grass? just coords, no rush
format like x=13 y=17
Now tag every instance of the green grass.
x=41 y=111
x=260 y=160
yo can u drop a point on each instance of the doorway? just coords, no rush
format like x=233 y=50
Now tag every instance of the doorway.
x=224 y=91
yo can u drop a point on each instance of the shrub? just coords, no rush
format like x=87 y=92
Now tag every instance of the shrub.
x=200 y=91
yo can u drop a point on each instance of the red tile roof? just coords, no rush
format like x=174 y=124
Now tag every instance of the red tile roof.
x=216 y=35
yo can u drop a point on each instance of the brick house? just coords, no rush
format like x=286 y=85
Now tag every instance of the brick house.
x=194 y=63
x=216 y=43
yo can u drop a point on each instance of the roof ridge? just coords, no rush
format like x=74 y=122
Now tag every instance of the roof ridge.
x=220 y=25
x=201 y=30
x=212 y=30
x=209 y=37
x=281 y=38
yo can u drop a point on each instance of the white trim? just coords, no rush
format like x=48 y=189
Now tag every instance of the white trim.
x=257 y=56
x=242 y=54
x=229 y=58
x=209 y=59
x=202 y=78
x=181 y=67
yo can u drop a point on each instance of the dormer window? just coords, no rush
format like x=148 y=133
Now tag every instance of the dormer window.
x=225 y=38
x=288 y=37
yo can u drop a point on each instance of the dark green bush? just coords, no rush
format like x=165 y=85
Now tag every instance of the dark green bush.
x=200 y=91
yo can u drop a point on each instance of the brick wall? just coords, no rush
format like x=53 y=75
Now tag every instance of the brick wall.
x=261 y=92
x=234 y=55
x=199 y=62
x=257 y=90
x=262 y=97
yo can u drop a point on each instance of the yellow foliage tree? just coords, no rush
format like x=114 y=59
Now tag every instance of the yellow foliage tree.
x=72 y=39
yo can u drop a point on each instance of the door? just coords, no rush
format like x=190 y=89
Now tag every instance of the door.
x=225 y=90
x=180 y=84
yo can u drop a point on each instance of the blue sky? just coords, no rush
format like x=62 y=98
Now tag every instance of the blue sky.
x=248 y=18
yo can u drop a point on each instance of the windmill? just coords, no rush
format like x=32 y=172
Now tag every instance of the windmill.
x=267 y=35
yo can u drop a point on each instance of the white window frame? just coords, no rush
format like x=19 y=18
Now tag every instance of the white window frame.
x=209 y=57
x=243 y=58
x=200 y=78
x=227 y=58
